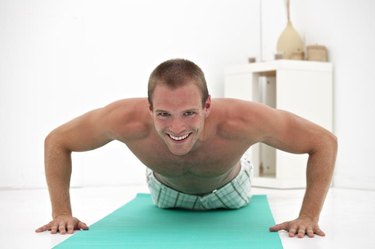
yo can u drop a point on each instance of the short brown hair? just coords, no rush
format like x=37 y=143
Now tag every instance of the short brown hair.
x=176 y=73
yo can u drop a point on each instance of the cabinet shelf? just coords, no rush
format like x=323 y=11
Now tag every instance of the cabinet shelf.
x=301 y=87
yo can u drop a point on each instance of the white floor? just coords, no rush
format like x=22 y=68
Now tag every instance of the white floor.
x=348 y=216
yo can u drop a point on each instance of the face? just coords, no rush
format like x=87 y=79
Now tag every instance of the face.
x=179 y=116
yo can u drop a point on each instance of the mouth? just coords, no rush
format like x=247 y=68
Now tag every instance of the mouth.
x=179 y=138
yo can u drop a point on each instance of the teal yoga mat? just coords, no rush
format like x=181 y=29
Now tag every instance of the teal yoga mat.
x=139 y=224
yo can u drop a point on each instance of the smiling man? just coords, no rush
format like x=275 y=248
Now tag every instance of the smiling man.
x=194 y=148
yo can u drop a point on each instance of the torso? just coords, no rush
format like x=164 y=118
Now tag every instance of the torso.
x=209 y=168
x=212 y=165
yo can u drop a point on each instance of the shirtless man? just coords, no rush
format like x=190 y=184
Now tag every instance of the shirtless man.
x=192 y=147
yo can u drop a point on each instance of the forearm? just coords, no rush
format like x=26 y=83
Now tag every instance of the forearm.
x=319 y=174
x=58 y=168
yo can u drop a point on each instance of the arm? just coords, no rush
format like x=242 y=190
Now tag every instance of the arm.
x=291 y=133
x=87 y=132
x=80 y=134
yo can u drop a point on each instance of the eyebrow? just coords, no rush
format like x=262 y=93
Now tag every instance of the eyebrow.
x=187 y=110
x=160 y=110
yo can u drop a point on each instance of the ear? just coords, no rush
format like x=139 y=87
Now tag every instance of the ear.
x=207 y=106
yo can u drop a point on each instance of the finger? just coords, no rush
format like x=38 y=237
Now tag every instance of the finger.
x=42 y=228
x=278 y=227
x=310 y=232
x=53 y=229
x=62 y=229
x=72 y=225
x=82 y=225
x=70 y=228
x=292 y=231
x=319 y=232
x=301 y=232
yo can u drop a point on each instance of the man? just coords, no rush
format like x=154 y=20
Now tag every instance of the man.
x=192 y=146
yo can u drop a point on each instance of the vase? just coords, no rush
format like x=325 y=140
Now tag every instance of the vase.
x=290 y=43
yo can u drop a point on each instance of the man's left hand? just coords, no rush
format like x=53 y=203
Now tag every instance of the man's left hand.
x=299 y=227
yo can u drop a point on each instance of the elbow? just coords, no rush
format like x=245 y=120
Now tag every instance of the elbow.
x=329 y=143
x=53 y=141
x=332 y=141
x=331 y=150
x=325 y=142
x=50 y=139
x=328 y=147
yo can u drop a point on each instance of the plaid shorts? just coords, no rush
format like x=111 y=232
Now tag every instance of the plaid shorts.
x=233 y=195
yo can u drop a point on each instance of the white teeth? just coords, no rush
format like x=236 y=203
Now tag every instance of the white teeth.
x=179 y=138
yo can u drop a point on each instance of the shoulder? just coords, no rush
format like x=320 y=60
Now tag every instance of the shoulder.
x=241 y=110
x=127 y=118
x=240 y=118
x=127 y=106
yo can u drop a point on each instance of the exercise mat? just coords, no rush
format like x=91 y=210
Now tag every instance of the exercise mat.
x=139 y=224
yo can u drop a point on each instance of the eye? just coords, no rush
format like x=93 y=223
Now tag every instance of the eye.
x=189 y=113
x=162 y=114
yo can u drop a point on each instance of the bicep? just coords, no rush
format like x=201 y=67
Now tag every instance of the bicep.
x=122 y=120
x=291 y=133
x=83 y=133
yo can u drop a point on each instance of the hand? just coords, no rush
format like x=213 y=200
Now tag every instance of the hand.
x=299 y=227
x=63 y=224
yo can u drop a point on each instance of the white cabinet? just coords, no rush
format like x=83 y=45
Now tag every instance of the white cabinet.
x=301 y=87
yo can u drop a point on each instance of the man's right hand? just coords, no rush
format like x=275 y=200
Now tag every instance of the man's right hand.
x=63 y=224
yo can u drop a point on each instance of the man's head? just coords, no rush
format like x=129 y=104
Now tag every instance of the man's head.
x=177 y=73
x=179 y=104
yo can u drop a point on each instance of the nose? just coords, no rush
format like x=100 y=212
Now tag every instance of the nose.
x=177 y=126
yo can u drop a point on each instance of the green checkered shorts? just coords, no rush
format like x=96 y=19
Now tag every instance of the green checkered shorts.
x=233 y=195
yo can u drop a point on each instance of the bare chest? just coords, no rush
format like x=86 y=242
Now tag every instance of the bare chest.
x=207 y=168
x=211 y=159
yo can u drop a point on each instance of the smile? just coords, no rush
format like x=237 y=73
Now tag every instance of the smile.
x=179 y=138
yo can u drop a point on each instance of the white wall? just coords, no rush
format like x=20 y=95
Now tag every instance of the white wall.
x=347 y=29
x=59 y=59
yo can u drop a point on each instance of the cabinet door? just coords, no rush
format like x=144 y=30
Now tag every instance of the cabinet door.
x=307 y=94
